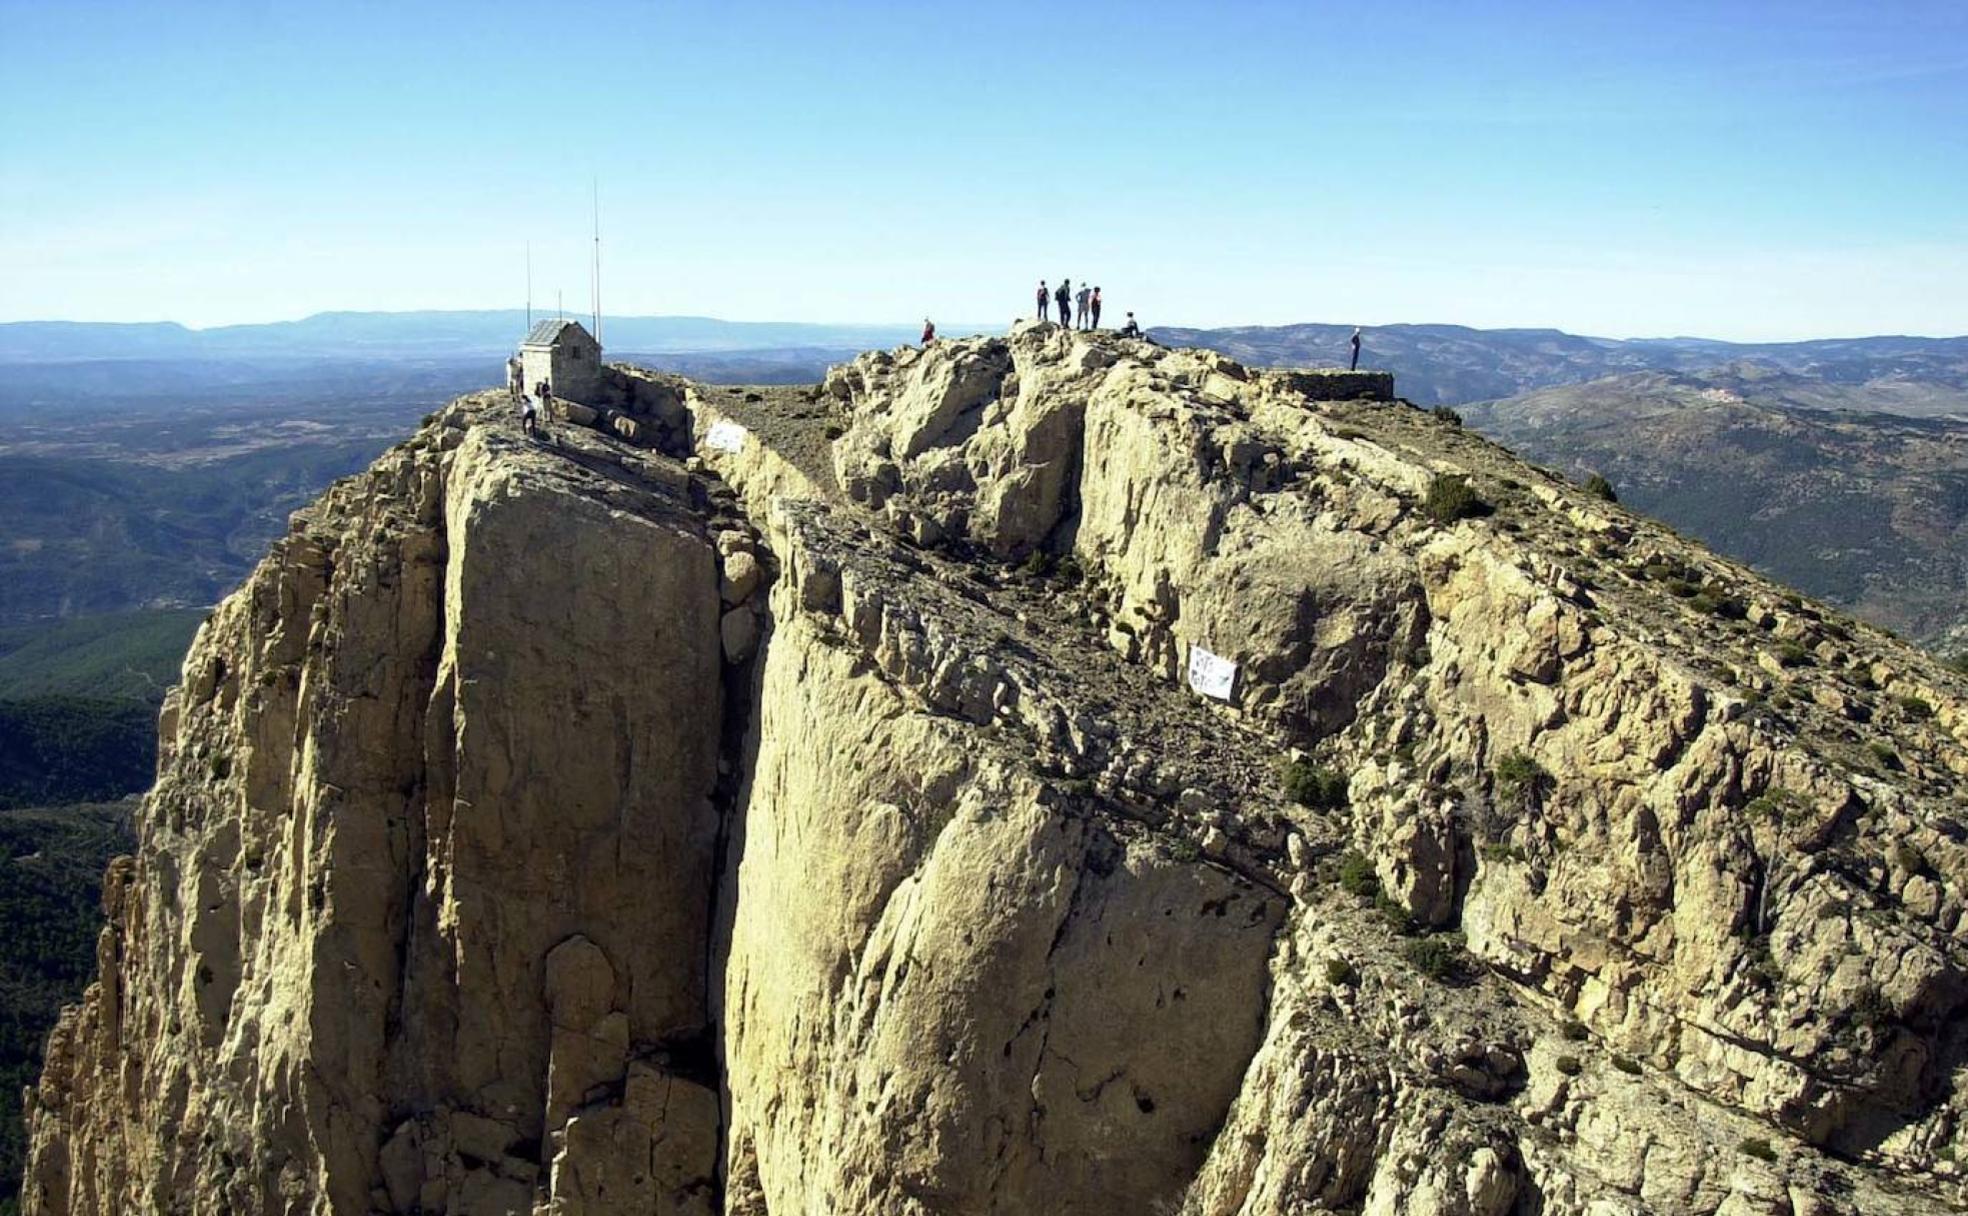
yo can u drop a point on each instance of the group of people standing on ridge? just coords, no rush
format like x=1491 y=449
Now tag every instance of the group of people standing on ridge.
x=530 y=404
x=1078 y=311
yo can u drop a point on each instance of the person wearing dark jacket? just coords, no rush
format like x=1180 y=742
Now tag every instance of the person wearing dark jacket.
x=929 y=331
x=1355 y=365
x=1064 y=298
x=1044 y=300
x=1093 y=307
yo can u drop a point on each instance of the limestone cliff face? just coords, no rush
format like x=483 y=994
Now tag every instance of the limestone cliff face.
x=813 y=818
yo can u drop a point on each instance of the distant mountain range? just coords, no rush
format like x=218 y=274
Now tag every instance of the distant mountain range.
x=1451 y=364
x=1856 y=493
x=373 y=335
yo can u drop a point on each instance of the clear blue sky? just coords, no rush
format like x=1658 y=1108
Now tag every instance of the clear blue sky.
x=1743 y=170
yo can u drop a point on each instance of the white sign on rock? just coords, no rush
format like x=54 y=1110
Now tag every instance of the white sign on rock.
x=1212 y=675
x=725 y=436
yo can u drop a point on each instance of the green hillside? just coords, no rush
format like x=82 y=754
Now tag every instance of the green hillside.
x=121 y=655
x=74 y=749
x=51 y=864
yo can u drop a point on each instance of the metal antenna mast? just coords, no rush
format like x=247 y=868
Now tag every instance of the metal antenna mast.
x=529 y=286
x=597 y=258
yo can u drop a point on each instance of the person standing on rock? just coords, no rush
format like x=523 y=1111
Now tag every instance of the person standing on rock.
x=1094 y=316
x=1355 y=365
x=929 y=331
x=1080 y=313
x=1064 y=298
x=1045 y=300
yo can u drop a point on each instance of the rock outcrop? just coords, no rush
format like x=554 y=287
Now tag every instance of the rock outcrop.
x=793 y=801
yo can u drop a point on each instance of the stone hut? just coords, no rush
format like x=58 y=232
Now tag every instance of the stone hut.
x=565 y=355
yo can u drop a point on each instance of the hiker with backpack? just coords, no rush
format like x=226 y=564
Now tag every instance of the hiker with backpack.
x=1064 y=298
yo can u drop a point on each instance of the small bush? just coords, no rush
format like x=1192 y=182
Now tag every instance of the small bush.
x=1790 y=654
x=1575 y=1032
x=1958 y=661
x=1718 y=603
x=1356 y=875
x=1443 y=413
x=1342 y=973
x=1570 y=1066
x=1439 y=956
x=1181 y=848
x=1314 y=786
x=1599 y=487
x=1520 y=778
x=1776 y=804
x=1039 y=564
x=1627 y=1065
x=1680 y=589
x=1757 y=1147
x=1915 y=708
x=1450 y=498
x=1394 y=913
x=1884 y=756
x=1068 y=569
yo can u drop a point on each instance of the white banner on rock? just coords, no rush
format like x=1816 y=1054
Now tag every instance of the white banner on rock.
x=1212 y=675
x=725 y=436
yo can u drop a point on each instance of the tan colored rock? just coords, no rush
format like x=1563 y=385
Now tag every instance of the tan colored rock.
x=741 y=577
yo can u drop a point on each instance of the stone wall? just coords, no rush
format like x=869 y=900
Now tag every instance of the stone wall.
x=1338 y=384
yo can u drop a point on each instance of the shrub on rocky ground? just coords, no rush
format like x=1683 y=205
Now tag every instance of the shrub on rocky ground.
x=1520 y=778
x=1356 y=875
x=1314 y=786
x=1439 y=956
x=1599 y=487
x=1450 y=498
x=1395 y=914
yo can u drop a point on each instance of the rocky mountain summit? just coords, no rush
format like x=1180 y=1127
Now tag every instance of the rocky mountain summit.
x=794 y=801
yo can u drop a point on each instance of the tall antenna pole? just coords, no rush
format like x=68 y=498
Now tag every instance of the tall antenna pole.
x=529 y=286
x=597 y=258
x=560 y=313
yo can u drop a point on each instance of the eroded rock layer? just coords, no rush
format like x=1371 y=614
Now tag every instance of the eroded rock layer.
x=778 y=802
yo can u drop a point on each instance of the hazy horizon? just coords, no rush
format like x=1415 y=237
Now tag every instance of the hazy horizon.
x=953 y=327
